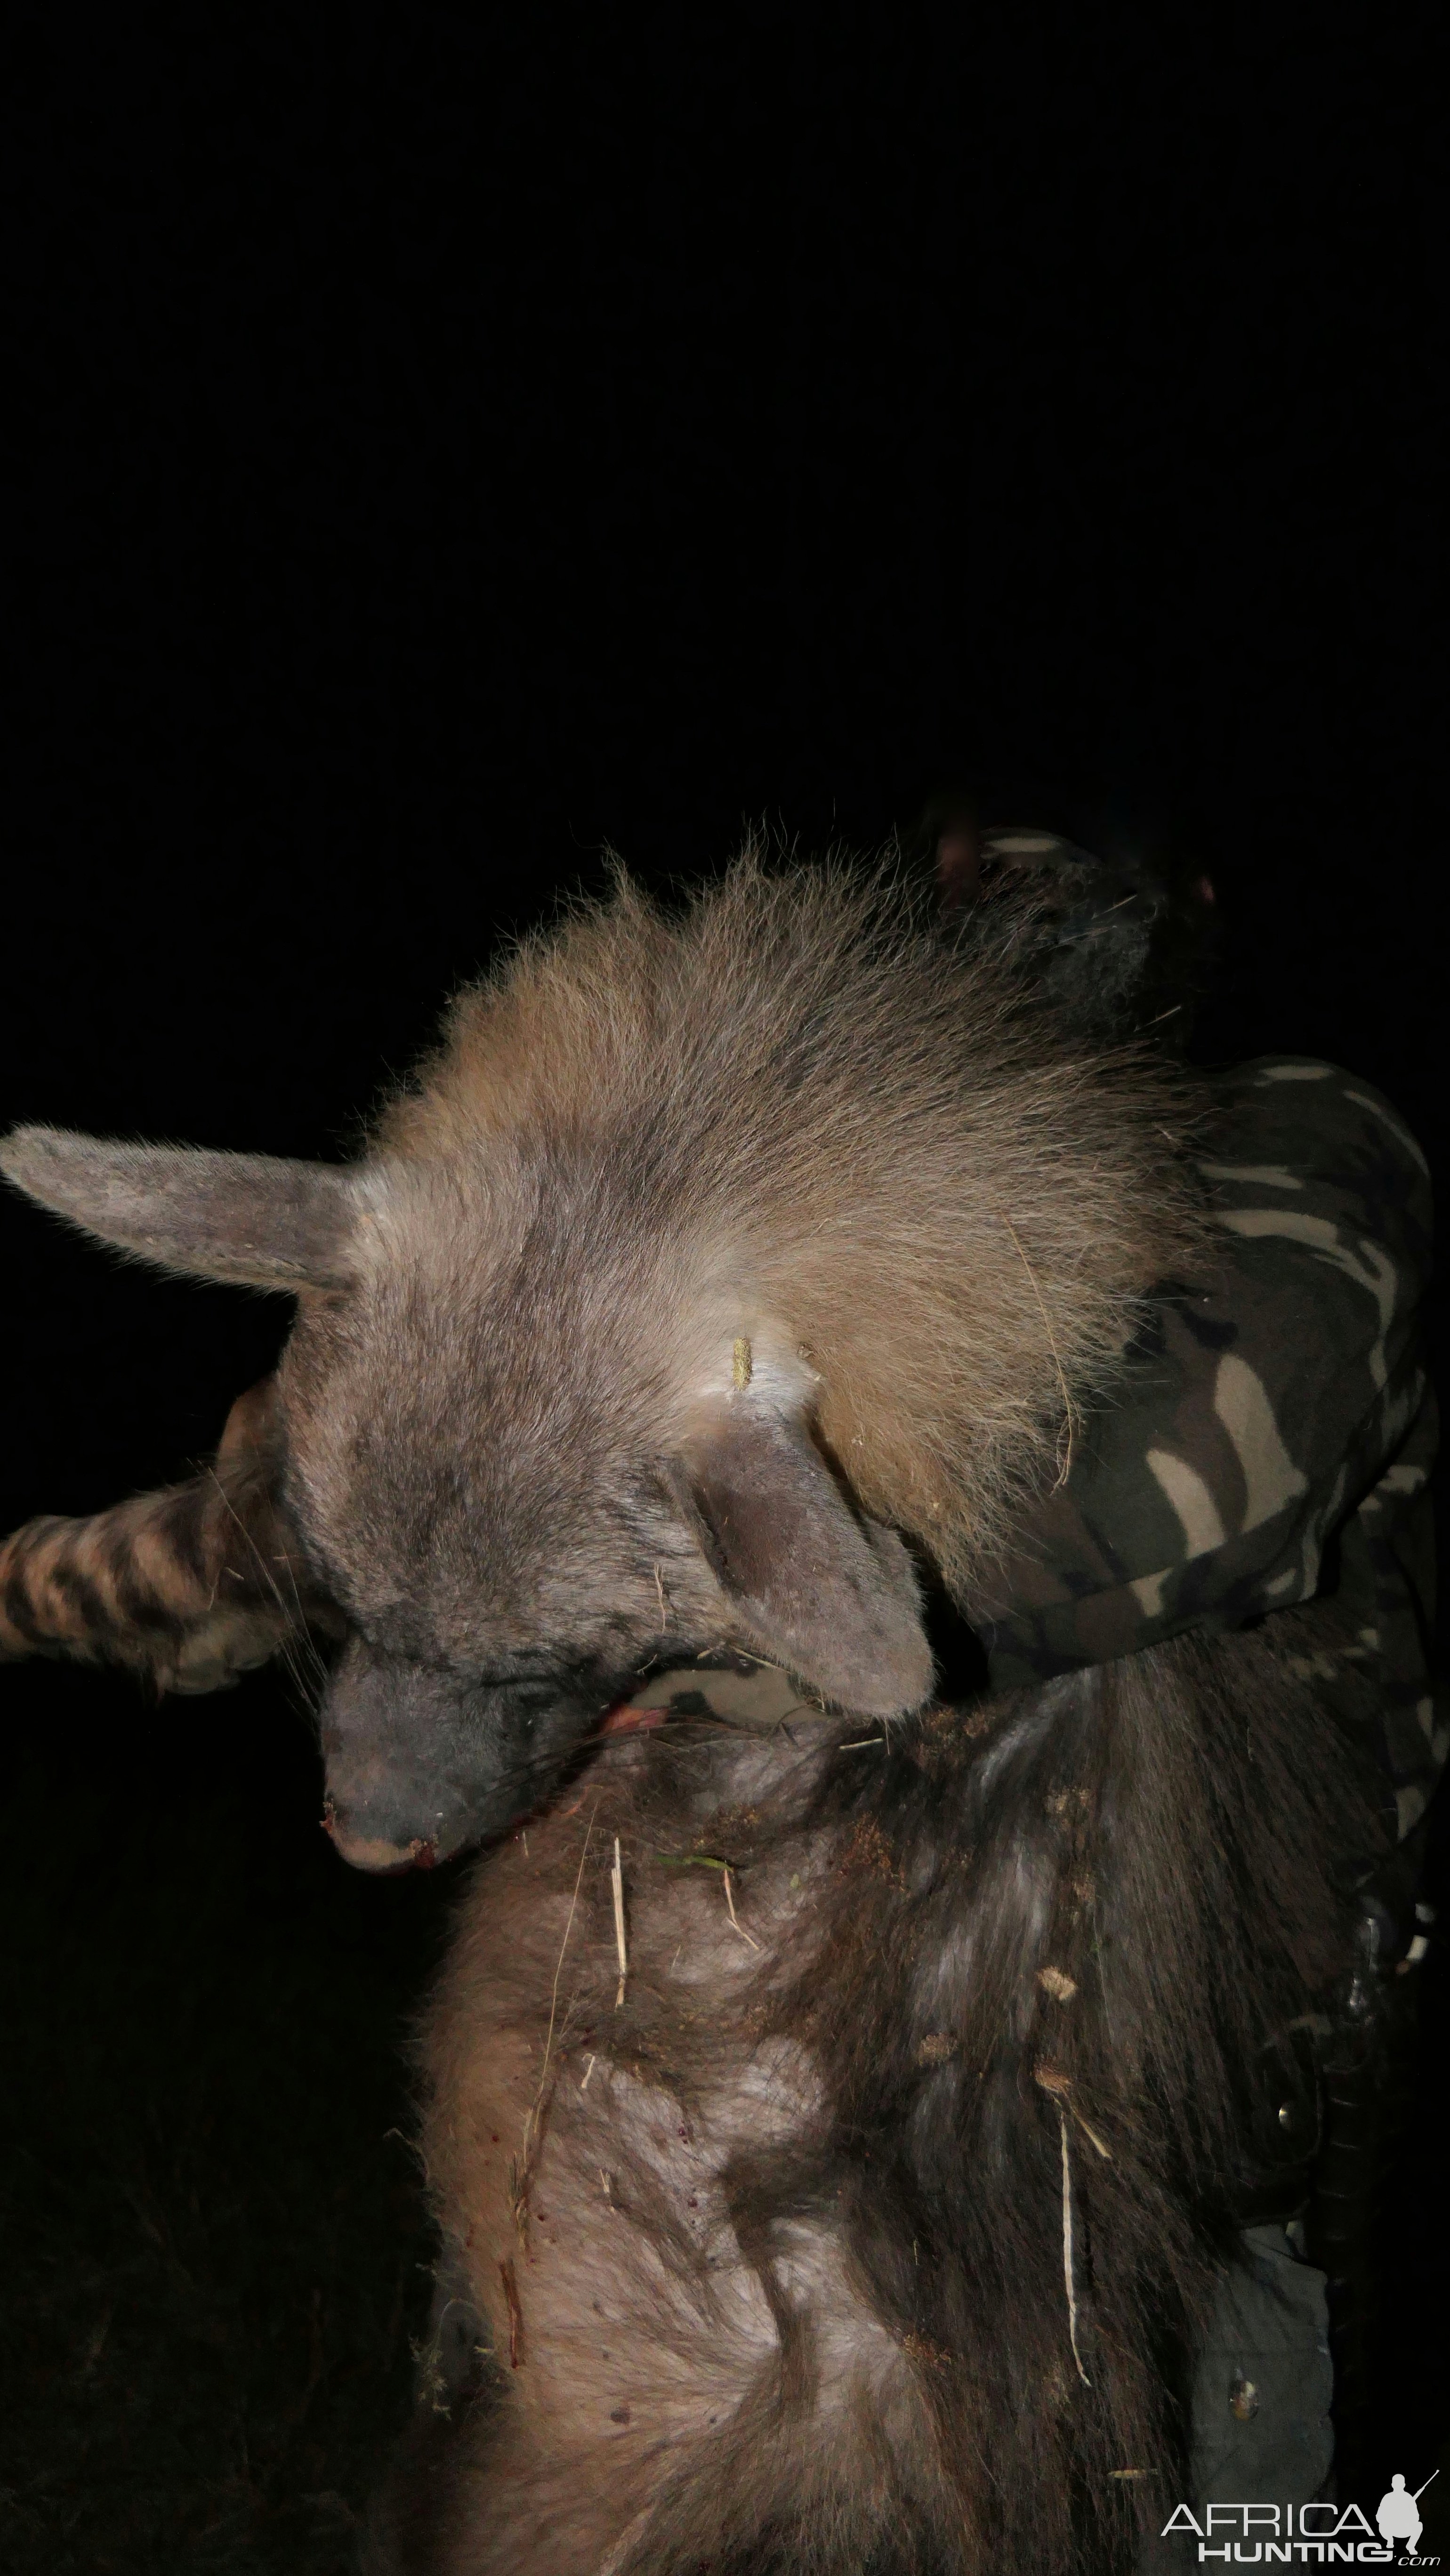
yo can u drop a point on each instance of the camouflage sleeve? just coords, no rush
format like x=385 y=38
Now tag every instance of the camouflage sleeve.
x=1277 y=1430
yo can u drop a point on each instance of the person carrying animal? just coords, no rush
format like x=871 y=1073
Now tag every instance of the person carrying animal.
x=1270 y=1442
x=838 y=2121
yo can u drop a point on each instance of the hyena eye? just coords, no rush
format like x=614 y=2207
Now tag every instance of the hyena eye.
x=526 y=1690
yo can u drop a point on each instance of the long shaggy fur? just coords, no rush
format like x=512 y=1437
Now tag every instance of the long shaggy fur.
x=765 y=2262
x=800 y=1091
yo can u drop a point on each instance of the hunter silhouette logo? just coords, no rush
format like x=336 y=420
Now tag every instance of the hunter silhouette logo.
x=1398 y=2514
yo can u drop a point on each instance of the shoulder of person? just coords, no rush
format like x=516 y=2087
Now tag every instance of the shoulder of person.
x=1300 y=1145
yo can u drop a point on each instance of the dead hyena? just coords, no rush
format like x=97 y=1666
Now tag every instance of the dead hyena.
x=833 y=2100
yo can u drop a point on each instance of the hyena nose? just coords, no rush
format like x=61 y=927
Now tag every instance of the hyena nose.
x=370 y=1851
x=382 y=1817
x=392 y=1802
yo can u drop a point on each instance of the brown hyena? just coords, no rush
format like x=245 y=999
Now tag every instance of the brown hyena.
x=833 y=2099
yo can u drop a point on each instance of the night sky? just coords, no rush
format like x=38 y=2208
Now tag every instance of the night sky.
x=454 y=441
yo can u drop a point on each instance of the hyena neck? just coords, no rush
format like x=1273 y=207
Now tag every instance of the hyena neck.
x=737 y=1752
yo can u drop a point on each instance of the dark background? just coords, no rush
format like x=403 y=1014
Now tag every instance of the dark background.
x=452 y=441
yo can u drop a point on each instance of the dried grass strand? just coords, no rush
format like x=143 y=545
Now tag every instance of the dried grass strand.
x=1067 y=2247
x=616 y=1886
x=1069 y=1408
x=531 y=2123
x=734 y=1917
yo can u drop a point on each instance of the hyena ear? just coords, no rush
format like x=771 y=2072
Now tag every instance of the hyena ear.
x=817 y=1588
x=245 y=1218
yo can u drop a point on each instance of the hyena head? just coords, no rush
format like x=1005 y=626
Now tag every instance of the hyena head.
x=707 y=1258
x=530 y=1450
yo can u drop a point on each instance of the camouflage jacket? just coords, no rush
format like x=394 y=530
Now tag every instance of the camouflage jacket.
x=1276 y=1431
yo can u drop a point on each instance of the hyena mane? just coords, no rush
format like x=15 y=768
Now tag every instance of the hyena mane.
x=797 y=1094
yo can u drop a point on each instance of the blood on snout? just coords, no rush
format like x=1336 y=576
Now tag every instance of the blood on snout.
x=381 y=1859
x=626 y=1719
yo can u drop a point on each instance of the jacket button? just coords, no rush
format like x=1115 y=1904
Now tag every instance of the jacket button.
x=1243 y=2399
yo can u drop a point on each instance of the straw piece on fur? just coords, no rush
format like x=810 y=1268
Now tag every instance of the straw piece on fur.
x=1067 y=2264
x=616 y=1883
x=734 y=1917
x=521 y=2190
x=1052 y=2080
x=512 y=2302
x=1069 y=1408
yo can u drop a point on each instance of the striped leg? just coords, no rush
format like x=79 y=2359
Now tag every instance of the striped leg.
x=187 y=1587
